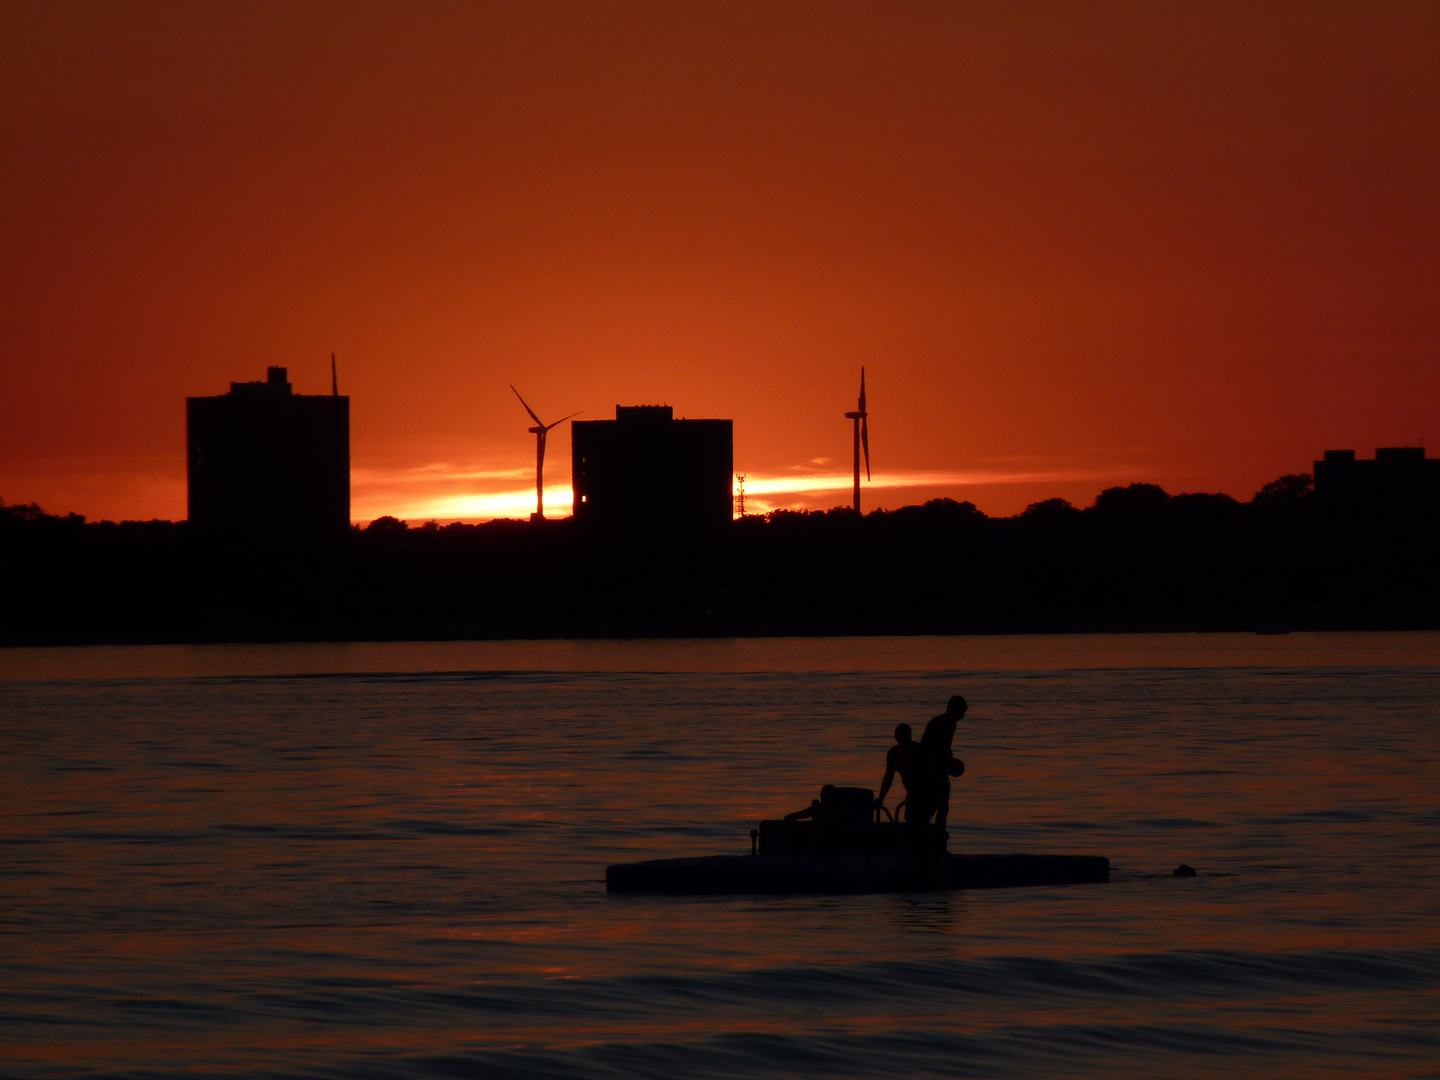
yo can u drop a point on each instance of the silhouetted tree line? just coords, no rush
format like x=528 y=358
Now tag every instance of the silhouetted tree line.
x=1139 y=559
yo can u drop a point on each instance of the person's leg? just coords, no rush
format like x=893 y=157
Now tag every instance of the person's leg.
x=917 y=831
x=942 y=813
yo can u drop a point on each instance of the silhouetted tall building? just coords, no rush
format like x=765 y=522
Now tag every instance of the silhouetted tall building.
x=264 y=460
x=645 y=471
x=1400 y=479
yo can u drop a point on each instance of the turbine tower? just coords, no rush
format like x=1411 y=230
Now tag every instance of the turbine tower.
x=540 y=430
x=862 y=438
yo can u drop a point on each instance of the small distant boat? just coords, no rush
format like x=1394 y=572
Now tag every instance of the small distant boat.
x=845 y=848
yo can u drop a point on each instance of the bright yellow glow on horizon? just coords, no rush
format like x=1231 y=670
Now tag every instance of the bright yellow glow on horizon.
x=442 y=493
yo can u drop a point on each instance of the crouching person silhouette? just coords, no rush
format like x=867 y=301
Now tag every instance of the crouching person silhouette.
x=922 y=794
x=828 y=837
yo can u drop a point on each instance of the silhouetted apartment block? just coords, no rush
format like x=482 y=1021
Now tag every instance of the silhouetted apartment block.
x=1400 y=479
x=264 y=460
x=647 y=471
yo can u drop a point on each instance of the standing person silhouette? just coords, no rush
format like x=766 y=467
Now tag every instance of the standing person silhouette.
x=922 y=792
x=939 y=733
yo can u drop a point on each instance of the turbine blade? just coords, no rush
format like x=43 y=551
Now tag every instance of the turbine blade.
x=861 y=410
x=865 y=442
x=563 y=419
x=527 y=407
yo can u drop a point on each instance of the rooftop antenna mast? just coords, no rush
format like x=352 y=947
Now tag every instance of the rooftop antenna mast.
x=334 y=383
x=740 y=483
x=862 y=438
x=540 y=430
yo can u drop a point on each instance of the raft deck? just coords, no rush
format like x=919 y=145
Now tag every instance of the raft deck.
x=718 y=875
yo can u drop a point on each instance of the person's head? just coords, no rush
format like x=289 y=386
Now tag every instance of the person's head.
x=902 y=733
x=955 y=706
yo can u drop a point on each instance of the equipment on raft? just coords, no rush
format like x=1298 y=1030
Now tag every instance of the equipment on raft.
x=846 y=847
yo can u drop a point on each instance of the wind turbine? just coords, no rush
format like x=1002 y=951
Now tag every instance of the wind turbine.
x=540 y=430
x=862 y=438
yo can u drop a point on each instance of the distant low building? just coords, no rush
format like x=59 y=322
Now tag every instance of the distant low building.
x=1398 y=480
x=645 y=471
x=266 y=461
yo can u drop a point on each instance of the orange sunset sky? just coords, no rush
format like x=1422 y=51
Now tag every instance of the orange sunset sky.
x=1073 y=244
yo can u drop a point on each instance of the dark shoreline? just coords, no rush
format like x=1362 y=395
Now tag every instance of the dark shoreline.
x=1138 y=561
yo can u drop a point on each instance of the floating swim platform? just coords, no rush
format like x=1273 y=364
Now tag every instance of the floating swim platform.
x=841 y=845
x=720 y=875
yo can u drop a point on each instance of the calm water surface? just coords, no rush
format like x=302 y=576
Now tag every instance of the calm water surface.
x=388 y=860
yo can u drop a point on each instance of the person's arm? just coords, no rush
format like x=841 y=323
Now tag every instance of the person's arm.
x=885 y=784
x=809 y=811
